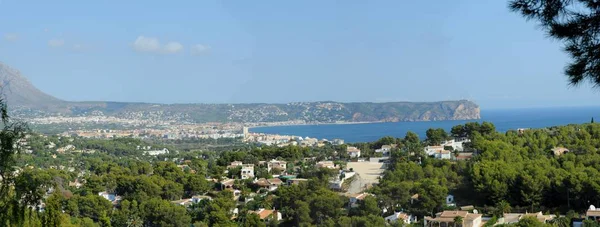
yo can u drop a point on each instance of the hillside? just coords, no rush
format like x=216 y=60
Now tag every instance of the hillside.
x=26 y=100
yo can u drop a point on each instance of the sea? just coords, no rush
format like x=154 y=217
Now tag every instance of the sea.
x=503 y=119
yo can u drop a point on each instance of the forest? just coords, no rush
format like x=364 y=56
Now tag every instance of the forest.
x=513 y=171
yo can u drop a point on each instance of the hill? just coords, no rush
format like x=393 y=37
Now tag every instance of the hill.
x=26 y=100
x=19 y=91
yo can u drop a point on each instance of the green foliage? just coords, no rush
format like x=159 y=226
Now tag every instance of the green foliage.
x=436 y=136
x=157 y=212
x=575 y=24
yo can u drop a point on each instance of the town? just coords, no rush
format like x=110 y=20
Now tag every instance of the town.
x=253 y=184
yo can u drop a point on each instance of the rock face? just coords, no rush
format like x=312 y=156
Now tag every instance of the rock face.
x=26 y=101
x=19 y=91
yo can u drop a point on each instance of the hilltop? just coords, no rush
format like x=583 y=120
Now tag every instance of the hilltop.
x=26 y=100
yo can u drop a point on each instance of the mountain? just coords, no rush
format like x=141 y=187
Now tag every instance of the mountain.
x=25 y=100
x=19 y=91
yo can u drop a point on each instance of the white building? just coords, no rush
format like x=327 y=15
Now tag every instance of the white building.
x=353 y=152
x=431 y=150
x=401 y=216
x=157 y=152
x=247 y=171
x=385 y=150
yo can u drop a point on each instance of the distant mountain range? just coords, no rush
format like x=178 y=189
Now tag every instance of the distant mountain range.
x=25 y=100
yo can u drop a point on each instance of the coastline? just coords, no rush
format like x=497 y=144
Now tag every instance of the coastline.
x=307 y=124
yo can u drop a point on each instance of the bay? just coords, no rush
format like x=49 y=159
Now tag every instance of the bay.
x=503 y=119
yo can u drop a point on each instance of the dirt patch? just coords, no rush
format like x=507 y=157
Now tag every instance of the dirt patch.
x=367 y=174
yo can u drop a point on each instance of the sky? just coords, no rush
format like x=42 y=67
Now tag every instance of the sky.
x=286 y=51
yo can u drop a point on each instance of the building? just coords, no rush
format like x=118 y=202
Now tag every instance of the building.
x=401 y=216
x=189 y=201
x=443 y=154
x=431 y=150
x=157 y=152
x=447 y=217
x=456 y=144
x=353 y=152
x=296 y=181
x=234 y=164
x=326 y=164
x=267 y=215
x=558 y=151
x=114 y=199
x=269 y=184
x=593 y=213
x=464 y=156
x=384 y=150
x=509 y=218
x=275 y=164
x=354 y=199
x=337 y=142
x=247 y=171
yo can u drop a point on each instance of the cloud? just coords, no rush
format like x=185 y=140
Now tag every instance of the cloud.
x=78 y=47
x=11 y=37
x=173 y=47
x=146 y=44
x=56 y=42
x=199 y=48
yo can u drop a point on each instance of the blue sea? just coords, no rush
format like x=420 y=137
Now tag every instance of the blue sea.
x=503 y=120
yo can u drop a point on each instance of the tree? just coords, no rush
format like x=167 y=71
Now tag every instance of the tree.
x=575 y=23
x=253 y=220
x=12 y=208
x=458 y=220
x=368 y=206
x=158 y=212
x=592 y=120
x=52 y=214
x=436 y=136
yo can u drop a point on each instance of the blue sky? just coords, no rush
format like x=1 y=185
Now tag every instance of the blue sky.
x=284 y=51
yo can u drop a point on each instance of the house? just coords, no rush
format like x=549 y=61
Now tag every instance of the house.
x=431 y=150
x=353 y=152
x=267 y=215
x=227 y=184
x=401 y=216
x=75 y=184
x=296 y=181
x=337 y=142
x=448 y=216
x=385 y=150
x=509 y=218
x=443 y=154
x=456 y=144
x=269 y=184
x=247 y=171
x=558 y=151
x=593 y=213
x=189 y=201
x=157 y=152
x=65 y=149
x=464 y=156
x=114 y=199
x=357 y=197
x=275 y=164
x=326 y=164
x=234 y=164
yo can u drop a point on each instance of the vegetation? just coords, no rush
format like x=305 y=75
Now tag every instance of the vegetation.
x=575 y=22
